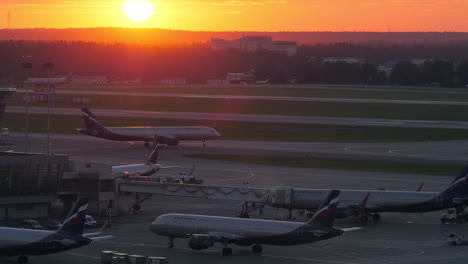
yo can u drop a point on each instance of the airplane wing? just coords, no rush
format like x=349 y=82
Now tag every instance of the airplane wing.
x=217 y=237
x=460 y=200
x=168 y=139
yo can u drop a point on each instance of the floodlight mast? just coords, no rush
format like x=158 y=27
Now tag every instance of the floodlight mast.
x=27 y=66
x=48 y=66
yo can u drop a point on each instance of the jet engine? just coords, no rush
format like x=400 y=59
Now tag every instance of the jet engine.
x=200 y=242
x=169 y=141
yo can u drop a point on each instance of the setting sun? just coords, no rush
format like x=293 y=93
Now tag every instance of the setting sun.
x=138 y=10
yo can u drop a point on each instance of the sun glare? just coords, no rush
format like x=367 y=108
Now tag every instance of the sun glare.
x=138 y=10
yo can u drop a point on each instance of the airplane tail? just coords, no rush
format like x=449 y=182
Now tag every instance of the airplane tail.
x=75 y=221
x=91 y=124
x=460 y=184
x=326 y=214
x=153 y=156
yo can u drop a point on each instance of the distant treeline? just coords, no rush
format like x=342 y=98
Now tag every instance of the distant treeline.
x=446 y=65
x=152 y=36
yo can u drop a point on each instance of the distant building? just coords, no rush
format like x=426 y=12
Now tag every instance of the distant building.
x=177 y=81
x=349 y=60
x=240 y=77
x=88 y=80
x=254 y=43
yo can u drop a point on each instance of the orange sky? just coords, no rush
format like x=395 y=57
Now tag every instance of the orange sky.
x=257 y=15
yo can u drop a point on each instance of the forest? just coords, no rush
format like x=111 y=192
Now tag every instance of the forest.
x=442 y=65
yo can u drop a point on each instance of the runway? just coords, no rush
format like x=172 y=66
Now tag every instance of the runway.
x=280 y=119
x=253 y=97
x=399 y=238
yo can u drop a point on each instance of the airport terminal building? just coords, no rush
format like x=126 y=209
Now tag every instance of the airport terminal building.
x=5 y=94
x=29 y=183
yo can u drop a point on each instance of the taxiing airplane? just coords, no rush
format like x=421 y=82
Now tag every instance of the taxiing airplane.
x=204 y=231
x=167 y=135
x=27 y=242
x=372 y=202
x=148 y=168
x=47 y=81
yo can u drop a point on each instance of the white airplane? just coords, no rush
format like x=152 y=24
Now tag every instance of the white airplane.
x=372 y=202
x=263 y=81
x=145 y=169
x=26 y=242
x=204 y=231
x=46 y=81
x=167 y=135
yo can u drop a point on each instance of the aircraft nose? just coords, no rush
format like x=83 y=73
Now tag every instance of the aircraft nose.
x=155 y=227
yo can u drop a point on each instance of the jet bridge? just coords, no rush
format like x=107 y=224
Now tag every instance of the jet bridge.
x=254 y=195
x=257 y=198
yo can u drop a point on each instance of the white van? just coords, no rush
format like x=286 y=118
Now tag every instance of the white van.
x=90 y=222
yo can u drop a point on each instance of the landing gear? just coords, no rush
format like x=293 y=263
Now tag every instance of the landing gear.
x=204 y=143
x=227 y=251
x=461 y=213
x=289 y=216
x=257 y=249
x=147 y=144
x=364 y=218
x=376 y=217
x=171 y=242
x=23 y=259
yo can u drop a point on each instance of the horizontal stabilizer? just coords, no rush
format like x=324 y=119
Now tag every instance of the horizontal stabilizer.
x=351 y=229
x=101 y=238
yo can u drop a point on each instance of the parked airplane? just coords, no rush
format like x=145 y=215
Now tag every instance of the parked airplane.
x=365 y=202
x=145 y=169
x=47 y=81
x=204 y=231
x=167 y=135
x=26 y=242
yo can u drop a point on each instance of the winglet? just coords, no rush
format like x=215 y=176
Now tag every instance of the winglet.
x=153 y=156
x=364 y=202
x=191 y=172
x=420 y=187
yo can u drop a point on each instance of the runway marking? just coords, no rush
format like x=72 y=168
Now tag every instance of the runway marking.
x=333 y=252
x=82 y=255
x=309 y=259
x=215 y=251
x=355 y=177
x=233 y=179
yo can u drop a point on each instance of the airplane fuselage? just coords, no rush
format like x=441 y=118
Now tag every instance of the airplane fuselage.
x=378 y=201
x=19 y=241
x=134 y=169
x=148 y=133
x=246 y=231
x=181 y=133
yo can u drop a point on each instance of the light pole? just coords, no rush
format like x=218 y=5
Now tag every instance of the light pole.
x=27 y=66
x=48 y=66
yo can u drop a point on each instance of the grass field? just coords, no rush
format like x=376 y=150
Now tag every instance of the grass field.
x=327 y=109
x=249 y=130
x=343 y=164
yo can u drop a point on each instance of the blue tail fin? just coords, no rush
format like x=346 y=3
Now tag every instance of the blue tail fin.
x=153 y=156
x=460 y=183
x=75 y=221
x=91 y=124
x=326 y=214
